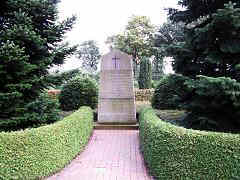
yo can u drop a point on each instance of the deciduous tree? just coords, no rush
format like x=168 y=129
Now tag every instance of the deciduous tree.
x=137 y=40
x=89 y=55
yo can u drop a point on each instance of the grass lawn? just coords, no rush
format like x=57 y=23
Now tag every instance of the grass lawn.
x=64 y=114
x=172 y=116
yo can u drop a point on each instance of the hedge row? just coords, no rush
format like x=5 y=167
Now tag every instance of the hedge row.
x=39 y=152
x=173 y=152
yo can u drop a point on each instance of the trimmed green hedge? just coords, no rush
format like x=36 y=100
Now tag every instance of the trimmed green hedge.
x=173 y=152
x=42 y=151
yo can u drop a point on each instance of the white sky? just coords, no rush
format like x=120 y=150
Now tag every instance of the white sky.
x=98 y=19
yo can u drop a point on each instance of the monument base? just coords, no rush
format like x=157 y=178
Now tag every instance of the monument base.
x=117 y=123
x=106 y=126
x=117 y=111
x=116 y=118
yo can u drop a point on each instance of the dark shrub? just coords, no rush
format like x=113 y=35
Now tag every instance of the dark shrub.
x=57 y=80
x=214 y=103
x=169 y=91
x=43 y=110
x=79 y=91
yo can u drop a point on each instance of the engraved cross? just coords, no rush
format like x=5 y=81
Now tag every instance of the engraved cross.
x=115 y=61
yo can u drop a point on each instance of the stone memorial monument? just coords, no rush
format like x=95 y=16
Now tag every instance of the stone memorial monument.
x=116 y=102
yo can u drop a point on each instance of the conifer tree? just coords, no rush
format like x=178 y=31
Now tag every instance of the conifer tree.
x=209 y=54
x=31 y=41
x=194 y=9
x=145 y=75
x=211 y=44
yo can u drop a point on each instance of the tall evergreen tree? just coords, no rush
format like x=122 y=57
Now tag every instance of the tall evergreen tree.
x=31 y=41
x=194 y=9
x=211 y=44
x=169 y=33
x=145 y=75
x=209 y=55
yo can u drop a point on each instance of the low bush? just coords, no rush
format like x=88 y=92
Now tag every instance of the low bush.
x=39 y=152
x=173 y=152
x=79 y=91
x=169 y=91
x=44 y=110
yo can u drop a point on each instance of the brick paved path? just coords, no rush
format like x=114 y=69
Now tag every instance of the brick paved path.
x=110 y=155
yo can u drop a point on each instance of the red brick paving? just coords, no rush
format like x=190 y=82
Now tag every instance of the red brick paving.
x=110 y=155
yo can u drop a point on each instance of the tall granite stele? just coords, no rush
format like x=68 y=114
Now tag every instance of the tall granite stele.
x=116 y=103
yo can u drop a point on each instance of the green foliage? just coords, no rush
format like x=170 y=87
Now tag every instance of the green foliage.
x=211 y=46
x=137 y=40
x=194 y=9
x=169 y=33
x=44 y=110
x=157 y=66
x=155 y=83
x=79 y=91
x=40 y=152
x=89 y=55
x=135 y=83
x=214 y=103
x=173 y=152
x=95 y=76
x=58 y=79
x=169 y=92
x=30 y=43
x=145 y=75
